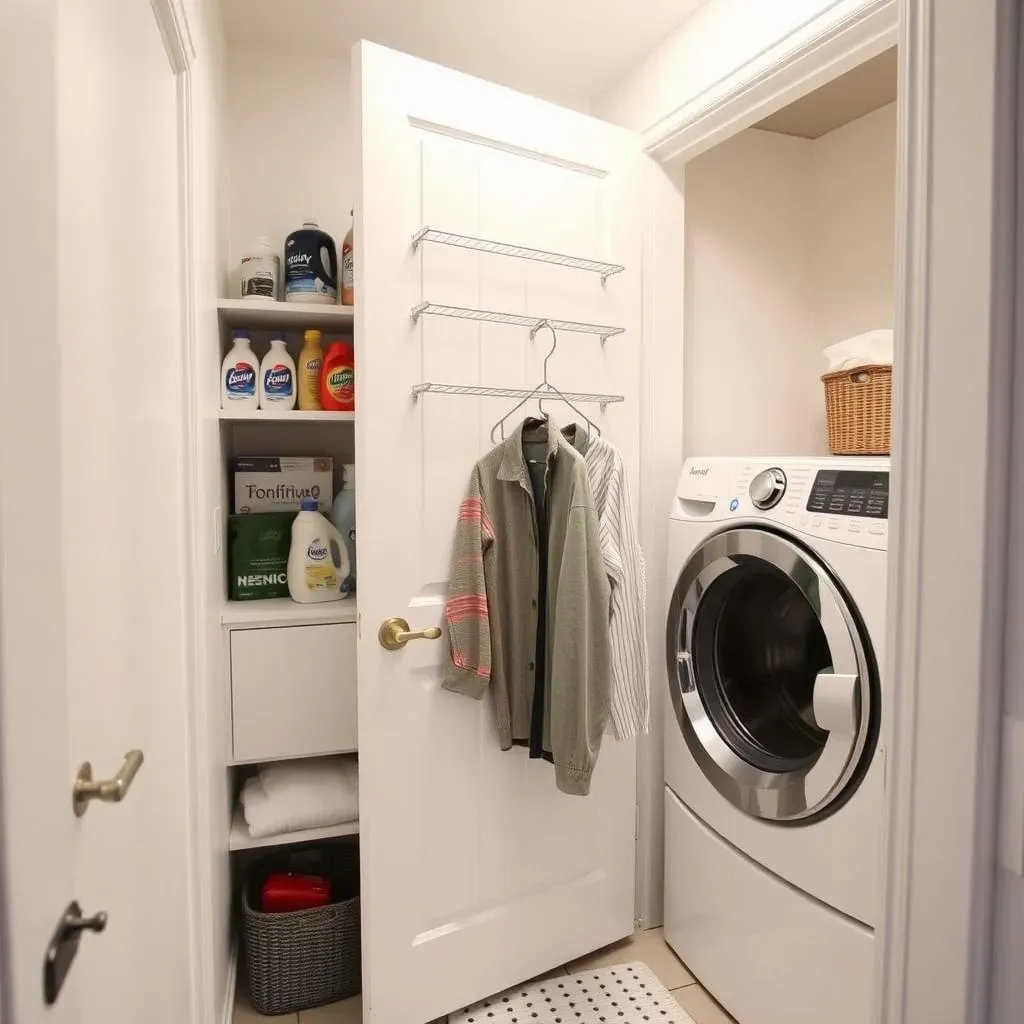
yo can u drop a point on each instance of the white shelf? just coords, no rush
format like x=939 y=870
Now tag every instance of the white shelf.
x=267 y=315
x=239 y=838
x=535 y=323
x=283 y=611
x=288 y=416
x=520 y=252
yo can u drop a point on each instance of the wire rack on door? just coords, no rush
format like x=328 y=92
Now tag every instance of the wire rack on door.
x=485 y=392
x=515 y=319
x=520 y=252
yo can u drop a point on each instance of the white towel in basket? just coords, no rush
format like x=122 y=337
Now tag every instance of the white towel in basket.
x=293 y=795
x=871 y=349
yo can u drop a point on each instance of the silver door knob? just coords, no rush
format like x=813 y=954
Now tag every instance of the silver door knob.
x=111 y=791
x=395 y=634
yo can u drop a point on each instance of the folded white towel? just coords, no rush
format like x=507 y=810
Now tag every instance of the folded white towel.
x=874 y=348
x=293 y=795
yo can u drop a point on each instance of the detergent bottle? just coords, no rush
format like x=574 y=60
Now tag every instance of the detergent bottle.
x=317 y=561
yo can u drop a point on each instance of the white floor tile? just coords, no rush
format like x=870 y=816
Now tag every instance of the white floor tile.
x=700 y=1006
x=650 y=947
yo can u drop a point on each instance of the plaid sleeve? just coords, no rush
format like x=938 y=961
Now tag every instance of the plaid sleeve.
x=468 y=669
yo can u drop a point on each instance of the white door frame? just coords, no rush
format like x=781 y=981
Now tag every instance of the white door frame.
x=172 y=17
x=955 y=306
x=956 y=281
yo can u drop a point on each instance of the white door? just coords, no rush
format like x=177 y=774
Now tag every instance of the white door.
x=476 y=872
x=92 y=548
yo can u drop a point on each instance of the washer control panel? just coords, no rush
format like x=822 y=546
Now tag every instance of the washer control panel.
x=850 y=492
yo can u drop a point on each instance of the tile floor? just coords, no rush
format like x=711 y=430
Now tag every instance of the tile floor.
x=650 y=947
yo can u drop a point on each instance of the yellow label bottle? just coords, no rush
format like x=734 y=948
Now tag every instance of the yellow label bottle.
x=311 y=361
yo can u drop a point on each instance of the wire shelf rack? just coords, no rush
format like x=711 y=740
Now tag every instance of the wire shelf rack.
x=515 y=319
x=484 y=392
x=520 y=252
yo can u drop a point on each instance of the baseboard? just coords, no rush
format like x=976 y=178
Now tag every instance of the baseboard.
x=229 y=995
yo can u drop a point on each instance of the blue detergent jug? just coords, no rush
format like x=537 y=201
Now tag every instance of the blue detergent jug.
x=310 y=265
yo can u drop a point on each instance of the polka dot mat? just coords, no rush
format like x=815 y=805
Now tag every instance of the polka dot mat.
x=624 y=994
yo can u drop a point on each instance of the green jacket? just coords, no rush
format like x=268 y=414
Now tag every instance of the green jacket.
x=492 y=609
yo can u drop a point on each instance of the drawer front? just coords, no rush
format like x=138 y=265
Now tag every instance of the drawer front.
x=293 y=691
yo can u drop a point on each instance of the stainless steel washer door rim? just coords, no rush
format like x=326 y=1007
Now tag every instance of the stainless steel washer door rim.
x=804 y=787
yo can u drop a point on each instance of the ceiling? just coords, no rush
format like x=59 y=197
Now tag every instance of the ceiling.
x=568 y=51
x=865 y=88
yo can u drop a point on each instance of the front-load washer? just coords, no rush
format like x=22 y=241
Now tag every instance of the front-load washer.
x=774 y=745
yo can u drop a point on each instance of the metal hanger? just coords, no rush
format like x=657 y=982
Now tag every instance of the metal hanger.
x=545 y=389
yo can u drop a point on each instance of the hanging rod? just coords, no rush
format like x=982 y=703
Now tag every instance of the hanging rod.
x=516 y=319
x=521 y=252
x=552 y=396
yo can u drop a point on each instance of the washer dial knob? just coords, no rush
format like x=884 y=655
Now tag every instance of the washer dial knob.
x=767 y=488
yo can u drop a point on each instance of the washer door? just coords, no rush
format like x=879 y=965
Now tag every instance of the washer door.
x=772 y=676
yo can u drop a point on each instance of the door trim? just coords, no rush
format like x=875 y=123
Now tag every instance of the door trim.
x=958 y=131
x=824 y=47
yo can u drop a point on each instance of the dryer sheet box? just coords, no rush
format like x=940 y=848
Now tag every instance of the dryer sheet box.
x=279 y=483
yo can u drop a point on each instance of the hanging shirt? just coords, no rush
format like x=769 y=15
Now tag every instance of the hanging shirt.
x=624 y=563
x=493 y=605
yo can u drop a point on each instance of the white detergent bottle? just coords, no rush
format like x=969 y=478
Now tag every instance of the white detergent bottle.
x=277 y=377
x=238 y=373
x=317 y=562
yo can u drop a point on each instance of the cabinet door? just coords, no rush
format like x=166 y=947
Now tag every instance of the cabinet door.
x=476 y=872
x=293 y=693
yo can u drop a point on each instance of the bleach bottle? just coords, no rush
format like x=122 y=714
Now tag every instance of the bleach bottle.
x=343 y=515
x=317 y=562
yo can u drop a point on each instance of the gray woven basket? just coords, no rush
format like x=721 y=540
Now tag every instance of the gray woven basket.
x=299 y=960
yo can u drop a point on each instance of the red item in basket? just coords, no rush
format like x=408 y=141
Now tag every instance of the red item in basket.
x=286 y=892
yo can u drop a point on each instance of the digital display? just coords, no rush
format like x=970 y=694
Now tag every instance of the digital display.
x=850 y=492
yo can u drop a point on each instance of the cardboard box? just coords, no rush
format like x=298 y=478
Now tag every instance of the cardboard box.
x=272 y=483
x=258 y=548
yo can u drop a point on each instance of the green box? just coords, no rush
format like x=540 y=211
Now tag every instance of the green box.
x=258 y=555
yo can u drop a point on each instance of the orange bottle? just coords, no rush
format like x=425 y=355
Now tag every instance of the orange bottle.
x=338 y=378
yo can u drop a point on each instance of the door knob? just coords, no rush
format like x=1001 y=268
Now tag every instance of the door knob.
x=395 y=634
x=110 y=791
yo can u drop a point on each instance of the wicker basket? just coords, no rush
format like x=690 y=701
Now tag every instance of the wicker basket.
x=858 y=404
x=299 y=960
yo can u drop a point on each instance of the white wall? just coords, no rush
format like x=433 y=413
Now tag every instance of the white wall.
x=789 y=248
x=289 y=135
x=720 y=38
x=854 y=203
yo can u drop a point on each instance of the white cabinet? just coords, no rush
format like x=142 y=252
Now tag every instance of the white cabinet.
x=293 y=691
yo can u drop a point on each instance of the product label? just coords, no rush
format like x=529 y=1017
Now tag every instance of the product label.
x=320 y=573
x=348 y=270
x=341 y=383
x=301 y=277
x=278 y=383
x=240 y=381
x=259 y=276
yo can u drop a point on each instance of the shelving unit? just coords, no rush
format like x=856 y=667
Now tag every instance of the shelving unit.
x=283 y=611
x=287 y=416
x=266 y=315
x=491 y=316
x=483 y=392
x=520 y=252
x=239 y=838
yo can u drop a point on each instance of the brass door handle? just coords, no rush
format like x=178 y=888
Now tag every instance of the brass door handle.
x=395 y=634
x=110 y=791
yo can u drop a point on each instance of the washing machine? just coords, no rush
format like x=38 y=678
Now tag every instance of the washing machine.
x=775 y=733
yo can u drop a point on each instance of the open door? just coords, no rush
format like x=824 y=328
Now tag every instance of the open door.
x=476 y=872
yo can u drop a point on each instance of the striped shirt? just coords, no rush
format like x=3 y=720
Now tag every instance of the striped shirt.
x=624 y=563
